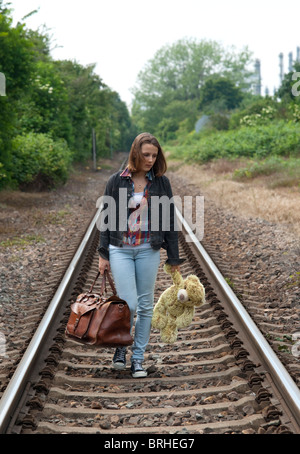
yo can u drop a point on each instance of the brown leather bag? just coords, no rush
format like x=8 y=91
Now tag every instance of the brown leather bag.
x=96 y=320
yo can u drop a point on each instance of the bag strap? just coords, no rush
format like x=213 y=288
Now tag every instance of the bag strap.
x=92 y=286
x=111 y=283
x=103 y=285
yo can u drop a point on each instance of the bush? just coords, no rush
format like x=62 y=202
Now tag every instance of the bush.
x=260 y=109
x=278 y=138
x=39 y=162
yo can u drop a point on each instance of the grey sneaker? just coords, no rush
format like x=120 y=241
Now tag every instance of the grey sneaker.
x=137 y=370
x=119 y=359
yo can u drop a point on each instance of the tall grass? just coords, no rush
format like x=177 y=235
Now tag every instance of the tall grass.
x=284 y=172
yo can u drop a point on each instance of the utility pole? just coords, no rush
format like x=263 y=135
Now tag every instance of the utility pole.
x=94 y=149
x=2 y=84
x=257 y=85
x=290 y=62
x=281 y=67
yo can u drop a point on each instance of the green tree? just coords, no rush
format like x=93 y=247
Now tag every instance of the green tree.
x=43 y=107
x=123 y=130
x=16 y=57
x=219 y=94
x=285 y=92
x=52 y=103
x=92 y=105
x=178 y=71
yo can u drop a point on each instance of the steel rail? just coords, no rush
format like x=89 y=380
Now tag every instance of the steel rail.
x=15 y=389
x=12 y=394
x=279 y=374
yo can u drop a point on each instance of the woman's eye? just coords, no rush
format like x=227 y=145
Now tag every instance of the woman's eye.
x=148 y=156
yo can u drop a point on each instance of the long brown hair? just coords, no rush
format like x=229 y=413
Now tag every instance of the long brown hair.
x=136 y=157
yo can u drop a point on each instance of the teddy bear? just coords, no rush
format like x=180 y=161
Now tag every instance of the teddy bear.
x=175 y=307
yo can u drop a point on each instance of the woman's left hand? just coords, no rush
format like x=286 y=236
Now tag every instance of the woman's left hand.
x=175 y=268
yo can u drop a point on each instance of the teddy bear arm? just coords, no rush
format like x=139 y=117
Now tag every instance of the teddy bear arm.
x=159 y=319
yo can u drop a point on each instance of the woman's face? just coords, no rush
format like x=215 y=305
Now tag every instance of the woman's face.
x=149 y=153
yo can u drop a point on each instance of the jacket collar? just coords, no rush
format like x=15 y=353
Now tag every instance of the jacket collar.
x=127 y=174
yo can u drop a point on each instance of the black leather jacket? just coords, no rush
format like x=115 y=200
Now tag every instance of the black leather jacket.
x=159 y=238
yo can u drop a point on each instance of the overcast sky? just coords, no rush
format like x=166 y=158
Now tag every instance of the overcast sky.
x=120 y=36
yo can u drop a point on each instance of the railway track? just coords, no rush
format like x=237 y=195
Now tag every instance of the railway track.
x=221 y=376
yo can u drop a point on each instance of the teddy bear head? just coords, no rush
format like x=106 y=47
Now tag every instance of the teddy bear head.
x=190 y=290
x=192 y=293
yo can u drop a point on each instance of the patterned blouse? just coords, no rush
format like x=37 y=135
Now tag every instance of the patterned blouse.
x=138 y=223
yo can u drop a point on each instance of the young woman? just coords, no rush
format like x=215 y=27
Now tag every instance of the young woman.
x=132 y=250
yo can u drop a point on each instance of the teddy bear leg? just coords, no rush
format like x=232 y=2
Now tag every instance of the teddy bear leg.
x=159 y=318
x=169 y=333
x=169 y=338
x=185 y=318
x=159 y=321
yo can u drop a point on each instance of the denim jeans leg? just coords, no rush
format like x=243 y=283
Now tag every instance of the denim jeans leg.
x=134 y=273
x=147 y=263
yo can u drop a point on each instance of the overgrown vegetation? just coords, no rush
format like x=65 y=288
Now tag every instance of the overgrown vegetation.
x=280 y=138
x=39 y=162
x=265 y=131
x=198 y=98
x=195 y=96
x=186 y=78
x=286 y=171
x=50 y=110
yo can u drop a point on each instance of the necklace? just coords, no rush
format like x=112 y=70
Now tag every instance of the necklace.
x=140 y=183
x=140 y=186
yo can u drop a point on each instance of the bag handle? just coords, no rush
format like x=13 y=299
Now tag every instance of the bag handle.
x=103 y=285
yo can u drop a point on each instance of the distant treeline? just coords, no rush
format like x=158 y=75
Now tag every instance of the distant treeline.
x=50 y=110
x=193 y=82
x=51 y=107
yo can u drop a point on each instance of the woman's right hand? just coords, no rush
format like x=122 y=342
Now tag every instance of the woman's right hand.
x=103 y=265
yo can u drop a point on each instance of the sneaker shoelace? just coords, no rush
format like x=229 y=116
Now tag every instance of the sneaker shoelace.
x=137 y=365
x=120 y=355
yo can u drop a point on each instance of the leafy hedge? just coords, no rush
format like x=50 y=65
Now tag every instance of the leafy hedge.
x=39 y=162
x=279 y=138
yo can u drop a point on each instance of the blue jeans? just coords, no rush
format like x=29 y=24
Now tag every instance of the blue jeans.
x=134 y=272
